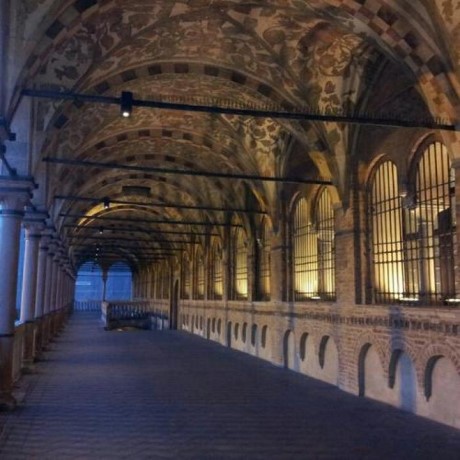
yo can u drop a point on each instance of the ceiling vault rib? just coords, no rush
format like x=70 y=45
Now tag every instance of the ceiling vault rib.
x=97 y=164
x=291 y=114
x=159 y=205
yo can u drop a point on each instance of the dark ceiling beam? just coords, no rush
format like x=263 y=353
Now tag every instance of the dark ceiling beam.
x=111 y=247
x=183 y=172
x=306 y=114
x=149 y=221
x=117 y=257
x=137 y=230
x=158 y=205
x=116 y=239
x=126 y=249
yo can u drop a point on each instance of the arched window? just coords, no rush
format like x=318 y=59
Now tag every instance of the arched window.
x=199 y=266
x=157 y=281
x=305 y=255
x=186 y=277
x=263 y=245
x=160 y=281
x=240 y=265
x=324 y=217
x=313 y=249
x=413 y=247
x=216 y=282
x=89 y=285
x=165 y=277
x=119 y=282
x=431 y=227
x=386 y=234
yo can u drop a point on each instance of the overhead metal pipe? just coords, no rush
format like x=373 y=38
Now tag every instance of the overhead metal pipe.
x=115 y=238
x=160 y=205
x=139 y=230
x=149 y=221
x=289 y=114
x=183 y=172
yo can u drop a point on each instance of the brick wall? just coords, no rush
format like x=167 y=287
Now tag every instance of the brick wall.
x=399 y=346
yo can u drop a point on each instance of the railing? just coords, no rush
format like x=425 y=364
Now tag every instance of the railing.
x=87 y=305
x=145 y=314
x=128 y=313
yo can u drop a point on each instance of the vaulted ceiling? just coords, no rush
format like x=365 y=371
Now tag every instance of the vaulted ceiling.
x=369 y=56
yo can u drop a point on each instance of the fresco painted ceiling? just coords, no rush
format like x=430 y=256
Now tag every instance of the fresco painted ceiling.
x=326 y=55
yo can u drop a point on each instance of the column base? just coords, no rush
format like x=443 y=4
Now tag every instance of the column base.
x=7 y=403
x=28 y=367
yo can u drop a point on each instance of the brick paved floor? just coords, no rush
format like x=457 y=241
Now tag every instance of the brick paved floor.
x=165 y=394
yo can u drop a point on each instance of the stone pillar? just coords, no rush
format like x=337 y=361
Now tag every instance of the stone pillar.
x=105 y=275
x=40 y=292
x=57 y=297
x=148 y=286
x=54 y=285
x=456 y=165
x=57 y=302
x=252 y=269
x=350 y=259
x=47 y=298
x=226 y=262
x=13 y=195
x=29 y=286
x=278 y=264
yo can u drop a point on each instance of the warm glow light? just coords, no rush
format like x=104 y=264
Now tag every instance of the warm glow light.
x=126 y=103
x=408 y=299
x=452 y=300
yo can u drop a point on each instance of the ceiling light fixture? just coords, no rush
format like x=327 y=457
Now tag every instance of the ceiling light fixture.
x=126 y=103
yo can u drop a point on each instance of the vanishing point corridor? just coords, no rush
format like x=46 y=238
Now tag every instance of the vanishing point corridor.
x=168 y=394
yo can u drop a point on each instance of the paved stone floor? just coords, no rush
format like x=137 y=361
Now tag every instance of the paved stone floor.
x=165 y=394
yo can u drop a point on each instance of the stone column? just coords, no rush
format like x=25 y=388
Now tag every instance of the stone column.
x=148 y=288
x=350 y=257
x=53 y=306
x=57 y=320
x=13 y=195
x=456 y=213
x=57 y=297
x=252 y=269
x=29 y=285
x=226 y=268
x=40 y=292
x=105 y=275
x=49 y=286
x=278 y=267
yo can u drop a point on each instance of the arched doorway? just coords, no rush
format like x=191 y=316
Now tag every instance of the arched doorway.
x=174 y=306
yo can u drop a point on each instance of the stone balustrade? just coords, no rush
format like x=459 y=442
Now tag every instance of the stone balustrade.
x=87 y=305
x=138 y=313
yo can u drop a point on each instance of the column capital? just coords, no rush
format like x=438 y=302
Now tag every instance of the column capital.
x=34 y=223
x=54 y=245
x=15 y=193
